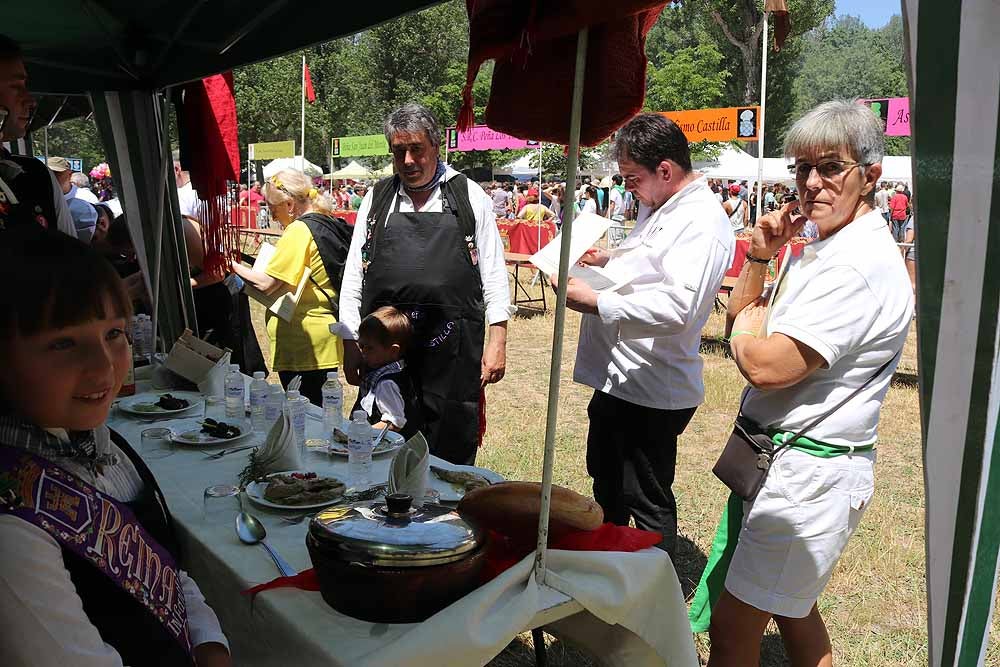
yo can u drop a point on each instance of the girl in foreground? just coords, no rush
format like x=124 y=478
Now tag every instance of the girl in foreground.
x=88 y=558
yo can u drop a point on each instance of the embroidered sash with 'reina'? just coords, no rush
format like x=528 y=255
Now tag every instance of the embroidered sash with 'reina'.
x=101 y=530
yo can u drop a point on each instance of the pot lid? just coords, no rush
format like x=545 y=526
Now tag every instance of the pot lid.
x=392 y=533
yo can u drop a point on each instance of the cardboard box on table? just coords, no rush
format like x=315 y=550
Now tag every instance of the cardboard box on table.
x=199 y=362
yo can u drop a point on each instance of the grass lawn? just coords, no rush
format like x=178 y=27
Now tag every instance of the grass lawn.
x=875 y=605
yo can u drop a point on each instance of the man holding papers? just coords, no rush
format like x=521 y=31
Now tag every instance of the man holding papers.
x=639 y=336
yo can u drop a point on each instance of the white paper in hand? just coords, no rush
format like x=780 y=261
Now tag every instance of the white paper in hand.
x=588 y=228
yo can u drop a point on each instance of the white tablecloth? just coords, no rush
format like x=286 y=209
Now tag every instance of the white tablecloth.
x=634 y=610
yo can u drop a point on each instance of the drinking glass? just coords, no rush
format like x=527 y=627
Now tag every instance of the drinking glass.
x=156 y=443
x=215 y=408
x=221 y=503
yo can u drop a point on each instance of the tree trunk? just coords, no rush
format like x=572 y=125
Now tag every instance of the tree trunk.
x=746 y=38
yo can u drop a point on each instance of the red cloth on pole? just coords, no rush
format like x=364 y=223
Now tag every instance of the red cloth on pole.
x=310 y=93
x=208 y=114
x=534 y=45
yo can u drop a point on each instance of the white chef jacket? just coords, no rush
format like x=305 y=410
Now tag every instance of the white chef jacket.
x=42 y=622
x=642 y=347
x=493 y=271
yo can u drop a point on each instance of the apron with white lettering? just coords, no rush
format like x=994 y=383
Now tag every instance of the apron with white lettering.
x=423 y=266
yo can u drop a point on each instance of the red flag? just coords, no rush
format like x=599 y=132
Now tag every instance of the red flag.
x=310 y=93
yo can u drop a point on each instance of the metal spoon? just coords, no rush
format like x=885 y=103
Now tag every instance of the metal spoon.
x=251 y=531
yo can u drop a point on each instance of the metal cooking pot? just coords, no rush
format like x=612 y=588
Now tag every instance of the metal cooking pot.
x=387 y=562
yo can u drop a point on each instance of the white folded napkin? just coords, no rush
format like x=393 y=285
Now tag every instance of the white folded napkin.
x=279 y=452
x=408 y=470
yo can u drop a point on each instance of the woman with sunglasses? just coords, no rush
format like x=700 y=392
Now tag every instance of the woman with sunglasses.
x=818 y=350
x=313 y=240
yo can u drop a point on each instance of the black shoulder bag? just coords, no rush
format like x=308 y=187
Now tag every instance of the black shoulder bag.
x=749 y=452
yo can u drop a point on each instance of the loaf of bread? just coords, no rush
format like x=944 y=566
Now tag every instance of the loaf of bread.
x=512 y=509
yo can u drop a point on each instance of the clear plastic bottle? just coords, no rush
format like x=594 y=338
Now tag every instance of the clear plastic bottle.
x=274 y=404
x=359 y=450
x=259 y=390
x=295 y=406
x=333 y=404
x=234 y=393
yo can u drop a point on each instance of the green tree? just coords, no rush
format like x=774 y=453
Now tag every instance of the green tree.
x=846 y=59
x=73 y=138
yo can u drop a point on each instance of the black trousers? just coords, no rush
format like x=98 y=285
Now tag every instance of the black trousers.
x=631 y=455
x=312 y=383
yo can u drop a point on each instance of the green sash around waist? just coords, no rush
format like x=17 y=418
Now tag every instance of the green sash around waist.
x=713 y=579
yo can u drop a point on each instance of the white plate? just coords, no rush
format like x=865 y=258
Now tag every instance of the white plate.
x=390 y=443
x=255 y=492
x=452 y=493
x=130 y=404
x=195 y=438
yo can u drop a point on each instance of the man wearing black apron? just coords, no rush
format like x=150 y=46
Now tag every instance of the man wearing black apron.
x=426 y=242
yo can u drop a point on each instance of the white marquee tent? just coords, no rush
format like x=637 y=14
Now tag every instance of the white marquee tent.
x=274 y=166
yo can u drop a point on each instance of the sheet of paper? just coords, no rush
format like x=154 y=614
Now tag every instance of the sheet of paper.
x=588 y=228
x=281 y=303
x=595 y=276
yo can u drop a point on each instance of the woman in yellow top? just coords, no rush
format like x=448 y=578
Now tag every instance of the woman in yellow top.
x=313 y=240
x=534 y=211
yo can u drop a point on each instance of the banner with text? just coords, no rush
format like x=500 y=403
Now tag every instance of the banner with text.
x=483 y=138
x=727 y=124
x=368 y=144
x=894 y=112
x=271 y=150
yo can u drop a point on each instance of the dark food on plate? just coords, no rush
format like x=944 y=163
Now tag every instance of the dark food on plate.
x=220 y=429
x=302 y=489
x=339 y=436
x=168 y=402
x=468 y=480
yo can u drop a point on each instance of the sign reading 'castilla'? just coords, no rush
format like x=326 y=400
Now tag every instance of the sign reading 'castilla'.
x=726 y=124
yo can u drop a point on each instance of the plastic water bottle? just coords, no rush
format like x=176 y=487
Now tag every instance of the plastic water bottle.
x=259 y=389
x=274 y=404
x=295 y=406
x=359 y=450
x=142 y=337
x=333 y=404
x=234 y=393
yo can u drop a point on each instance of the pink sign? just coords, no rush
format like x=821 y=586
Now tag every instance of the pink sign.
x=482 y=138
x=895 y=114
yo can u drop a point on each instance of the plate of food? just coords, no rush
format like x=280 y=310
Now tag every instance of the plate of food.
x=390 y=443
x=212 y=432
x=156 y=404
x=296 y=489
x=453 y=481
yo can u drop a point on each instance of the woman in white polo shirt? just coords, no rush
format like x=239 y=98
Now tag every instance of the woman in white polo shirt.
x=838 y=319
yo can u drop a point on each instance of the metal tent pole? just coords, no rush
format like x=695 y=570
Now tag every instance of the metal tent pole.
x=763 y=96
x=560 y=323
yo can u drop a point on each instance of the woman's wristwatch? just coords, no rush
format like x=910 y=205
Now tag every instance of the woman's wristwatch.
x=757 y=260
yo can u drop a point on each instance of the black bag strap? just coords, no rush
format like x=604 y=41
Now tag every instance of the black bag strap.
x=332 y=237
x=816 y=422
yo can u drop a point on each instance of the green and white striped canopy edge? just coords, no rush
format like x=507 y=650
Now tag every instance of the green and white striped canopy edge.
x=955 y=97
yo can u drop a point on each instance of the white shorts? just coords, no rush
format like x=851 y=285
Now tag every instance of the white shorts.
x=796 y=529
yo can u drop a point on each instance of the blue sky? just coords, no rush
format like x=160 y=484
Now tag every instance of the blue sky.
x=875 y=13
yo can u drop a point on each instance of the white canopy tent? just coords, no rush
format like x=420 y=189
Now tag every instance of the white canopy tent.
x=353 y=171
x=297 y=162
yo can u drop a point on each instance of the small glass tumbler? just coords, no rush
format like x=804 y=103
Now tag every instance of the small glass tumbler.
x=221 y=503
x=156 y=442
x=215 y=408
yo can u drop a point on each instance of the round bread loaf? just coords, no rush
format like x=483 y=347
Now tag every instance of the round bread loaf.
x=512 y=509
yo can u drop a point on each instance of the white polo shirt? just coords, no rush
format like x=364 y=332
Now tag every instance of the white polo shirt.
x=643 y=345
x=848 y=297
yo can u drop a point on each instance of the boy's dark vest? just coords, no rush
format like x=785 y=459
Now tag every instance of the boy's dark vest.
x=411 y=403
